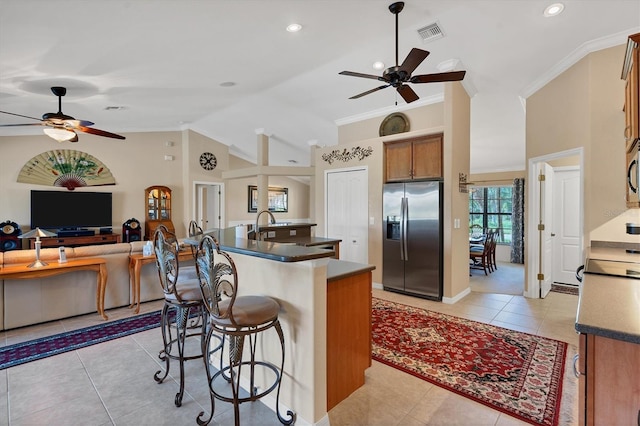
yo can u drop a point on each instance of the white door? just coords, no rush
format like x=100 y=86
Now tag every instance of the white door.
x=566 y=225
x=546 y=236
x=347 y=210
x=209 y=212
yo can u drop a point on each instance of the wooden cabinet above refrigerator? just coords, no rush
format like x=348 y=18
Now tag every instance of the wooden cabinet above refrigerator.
x=412 y=159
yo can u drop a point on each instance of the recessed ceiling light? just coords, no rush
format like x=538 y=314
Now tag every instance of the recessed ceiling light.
x=377 y=65
x=228 y=84
x=553 y=10
x=294 y=28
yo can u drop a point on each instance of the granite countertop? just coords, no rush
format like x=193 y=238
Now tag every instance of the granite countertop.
x=306 y=241
x=610 y=306
x=339 y=269
x=286 y=225
x=280 y=252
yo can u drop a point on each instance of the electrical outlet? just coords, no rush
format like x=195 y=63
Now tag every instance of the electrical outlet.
x=292 y=232
x=271 y=234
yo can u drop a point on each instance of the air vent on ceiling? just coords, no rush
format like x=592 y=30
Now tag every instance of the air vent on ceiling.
x=430 y=32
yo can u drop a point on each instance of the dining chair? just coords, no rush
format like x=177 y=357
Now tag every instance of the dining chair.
x=236 y=319
x=479 y=255
x=183 y=310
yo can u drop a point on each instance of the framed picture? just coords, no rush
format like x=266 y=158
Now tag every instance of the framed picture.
x=278 y=199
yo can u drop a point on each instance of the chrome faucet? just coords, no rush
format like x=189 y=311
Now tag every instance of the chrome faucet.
x=256 y=230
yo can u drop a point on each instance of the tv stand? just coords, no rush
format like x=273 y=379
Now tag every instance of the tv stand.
x=75 y=232
x=76 y=241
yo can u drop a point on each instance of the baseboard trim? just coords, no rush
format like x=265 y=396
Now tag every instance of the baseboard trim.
x=457 y=297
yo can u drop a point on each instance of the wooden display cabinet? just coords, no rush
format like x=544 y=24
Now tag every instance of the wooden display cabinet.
x=157 y=210
x=418 y=158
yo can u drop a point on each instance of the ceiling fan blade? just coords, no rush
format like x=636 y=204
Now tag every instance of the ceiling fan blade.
x=439 y=77
x=369 y=91
x=24 y=124
x=20 y=115
x=99 y=132
x=407 y=93
x=357 y=74
x=413 y=59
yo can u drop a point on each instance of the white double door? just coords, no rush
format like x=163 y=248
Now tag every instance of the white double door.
x=347 y=211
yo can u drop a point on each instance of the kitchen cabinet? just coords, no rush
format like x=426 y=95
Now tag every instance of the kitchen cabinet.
x=631 y=75
x=417 y=158
x=609 y=381
x=158 y=210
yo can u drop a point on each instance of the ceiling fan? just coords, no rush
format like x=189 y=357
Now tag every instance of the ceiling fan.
x=398 y=75
x=62 y=127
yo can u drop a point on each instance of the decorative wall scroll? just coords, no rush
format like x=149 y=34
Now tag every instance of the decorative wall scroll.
x=66 y=168
x=346 y=155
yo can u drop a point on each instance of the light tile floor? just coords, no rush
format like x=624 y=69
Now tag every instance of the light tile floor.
x=111 y=383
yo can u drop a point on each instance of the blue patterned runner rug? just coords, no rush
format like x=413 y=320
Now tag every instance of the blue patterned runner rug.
x=43 y=347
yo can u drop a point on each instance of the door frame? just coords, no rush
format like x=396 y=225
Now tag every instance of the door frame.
x=195 y=200
x=533 y=260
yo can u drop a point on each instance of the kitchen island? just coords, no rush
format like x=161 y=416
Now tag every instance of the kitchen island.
x=608 y=320
x=325 y=316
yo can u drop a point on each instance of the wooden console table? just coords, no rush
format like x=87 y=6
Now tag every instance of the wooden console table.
x=135 y=264
x=96 y=264
x=85 y=240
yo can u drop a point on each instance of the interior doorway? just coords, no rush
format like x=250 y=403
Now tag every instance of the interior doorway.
x=209 y=205
x=552 y=216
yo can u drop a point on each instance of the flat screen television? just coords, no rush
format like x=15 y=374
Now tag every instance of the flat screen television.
x=70 y=210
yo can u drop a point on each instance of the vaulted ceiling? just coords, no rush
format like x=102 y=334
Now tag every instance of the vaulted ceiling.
x=166 y=64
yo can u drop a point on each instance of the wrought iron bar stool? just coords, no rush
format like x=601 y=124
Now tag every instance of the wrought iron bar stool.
x=183 y=309
x=236 y=318
x=194 y=229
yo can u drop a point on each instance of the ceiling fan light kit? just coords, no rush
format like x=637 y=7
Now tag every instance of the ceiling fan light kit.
x=59 y=134
x=398 y=75
x=62 y=127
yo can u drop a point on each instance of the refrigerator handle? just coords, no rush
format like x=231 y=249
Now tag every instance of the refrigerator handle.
x=404 y=255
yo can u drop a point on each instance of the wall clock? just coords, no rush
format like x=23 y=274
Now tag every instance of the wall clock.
x=208 y=161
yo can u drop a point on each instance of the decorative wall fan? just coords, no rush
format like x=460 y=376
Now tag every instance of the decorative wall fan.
x=398 y=75
x=66 y=168
x=62 y=127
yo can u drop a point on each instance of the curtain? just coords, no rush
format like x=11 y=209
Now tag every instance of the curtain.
x=517 y=221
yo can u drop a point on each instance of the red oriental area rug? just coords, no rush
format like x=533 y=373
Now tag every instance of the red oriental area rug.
x=517 y=373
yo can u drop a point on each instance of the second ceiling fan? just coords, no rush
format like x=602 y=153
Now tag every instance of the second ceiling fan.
x=398 y=75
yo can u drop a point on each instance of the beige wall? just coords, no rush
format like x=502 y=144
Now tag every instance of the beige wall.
x=457 y=123
x=137 y=163
x=451 y=118
x=583 y=108
x=237 y=196
x=365 y=134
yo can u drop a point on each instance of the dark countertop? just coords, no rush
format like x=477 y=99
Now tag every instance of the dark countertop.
x=275 y=226
x=306 y=241
x=280 y=252
x=609 y=306
x=339 y=269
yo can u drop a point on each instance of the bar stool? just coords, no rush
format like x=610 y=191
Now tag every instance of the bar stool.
x=236 y=318
x=194 y=229
x=183 y=308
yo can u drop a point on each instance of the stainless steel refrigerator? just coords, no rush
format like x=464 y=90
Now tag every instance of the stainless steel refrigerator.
x=412 y=240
